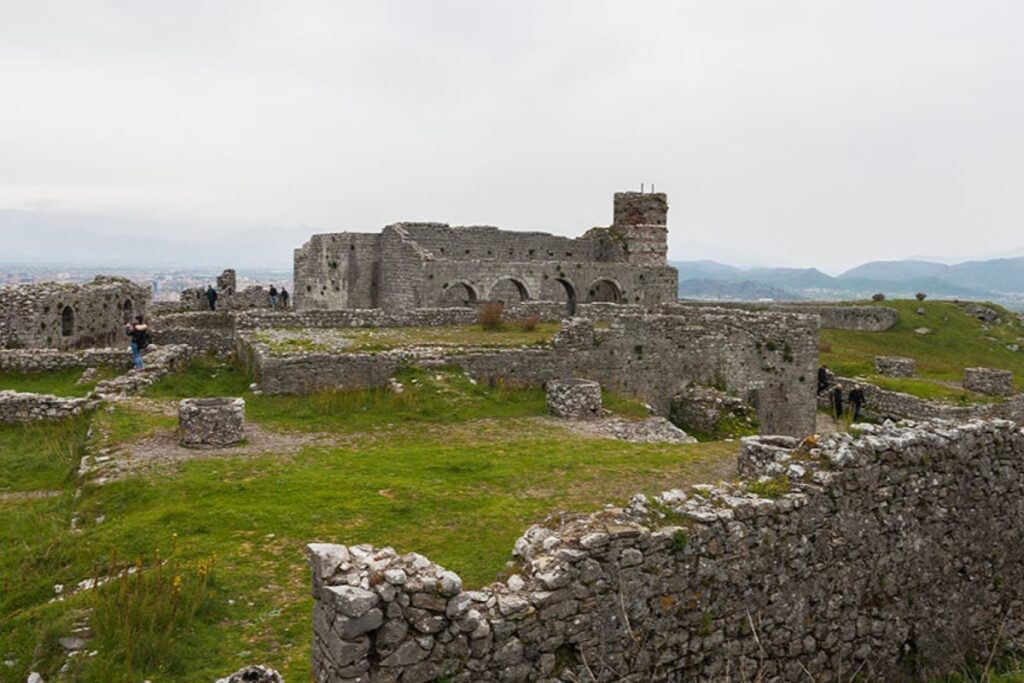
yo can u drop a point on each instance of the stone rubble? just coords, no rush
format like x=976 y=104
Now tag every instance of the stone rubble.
x=575 y=399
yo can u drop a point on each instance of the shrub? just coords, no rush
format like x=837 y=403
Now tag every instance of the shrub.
x=491 y=316
x=878 y=297
x=529 y=324
x=921 y=296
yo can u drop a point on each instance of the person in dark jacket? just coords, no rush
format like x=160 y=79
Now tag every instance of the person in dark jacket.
x=139 y=332
x=856 y=399
x=211 y=296
x=273 y=296
x=837 y=401
x=822 y=378
x=284 y=297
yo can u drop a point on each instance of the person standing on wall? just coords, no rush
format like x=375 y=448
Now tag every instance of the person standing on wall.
x=211 y=297
x=273 y=296
x=822 y=378
x=139 y=332
x=284 y=298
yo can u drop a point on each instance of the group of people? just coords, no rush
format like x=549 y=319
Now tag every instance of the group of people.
x=276 y=298
x=854 y=399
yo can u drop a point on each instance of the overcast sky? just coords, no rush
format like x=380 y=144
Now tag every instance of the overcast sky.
x=791 y=133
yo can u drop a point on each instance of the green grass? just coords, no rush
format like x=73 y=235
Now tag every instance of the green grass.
x=57 y=382
x=41 y=455
x=450 y=468
x=384 y=338
x=204 y=376
x=957 y=341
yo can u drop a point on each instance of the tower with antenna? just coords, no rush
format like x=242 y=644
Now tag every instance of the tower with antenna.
x=640 y=224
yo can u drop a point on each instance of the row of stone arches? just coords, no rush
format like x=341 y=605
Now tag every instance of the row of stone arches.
x=512 y=290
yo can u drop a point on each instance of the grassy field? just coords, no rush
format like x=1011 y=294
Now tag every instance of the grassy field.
x=449 y=468
x=956 y=341
x=57 y=383
x=383 y=338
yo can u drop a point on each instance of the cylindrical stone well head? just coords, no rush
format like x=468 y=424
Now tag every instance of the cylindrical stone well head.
x=211 y=422
x=578 y=399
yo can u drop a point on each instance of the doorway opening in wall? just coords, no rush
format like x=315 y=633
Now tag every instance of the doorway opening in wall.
x=562 y=291
x=604 y=290
x=458 y=294
x=508 y=291
x=127 y=310
x=67 y=321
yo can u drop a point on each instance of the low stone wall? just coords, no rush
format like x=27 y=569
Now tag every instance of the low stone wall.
x=881 y=404
x=895 y=366
x=989 y=381
x=47 y=360
x=833 y=316
x=892 y=555
x=767 y=359
x=207 y=331
x=422 y=317
x=16 y=406
x=159 y=362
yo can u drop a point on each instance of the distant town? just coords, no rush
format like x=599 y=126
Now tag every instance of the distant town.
x=167 y=283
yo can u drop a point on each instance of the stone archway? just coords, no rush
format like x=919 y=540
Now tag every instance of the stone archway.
x=604 y=290
x=508 y=290
x=560 y=290
x=458 y=294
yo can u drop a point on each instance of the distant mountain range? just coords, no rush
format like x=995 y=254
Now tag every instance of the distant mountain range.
x=1000 y=280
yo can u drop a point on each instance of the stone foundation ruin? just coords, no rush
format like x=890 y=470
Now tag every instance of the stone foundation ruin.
x=576 y=399
x=895 y=366
x=51 y=315
x=426 y=265
x=211 y=422
x=989 y=381
x=894 y=555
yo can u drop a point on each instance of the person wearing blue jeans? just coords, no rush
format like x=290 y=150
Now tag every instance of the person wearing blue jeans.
x=139 y=332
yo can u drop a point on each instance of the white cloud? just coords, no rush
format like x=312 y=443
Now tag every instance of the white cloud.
x=807 y=133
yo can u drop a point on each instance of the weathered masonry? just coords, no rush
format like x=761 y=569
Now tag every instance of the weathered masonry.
x=52 y=315
x=888 y=557
x=422 y=265
x=767 y=359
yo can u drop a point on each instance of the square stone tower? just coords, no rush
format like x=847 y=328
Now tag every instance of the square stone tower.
x=640 y=222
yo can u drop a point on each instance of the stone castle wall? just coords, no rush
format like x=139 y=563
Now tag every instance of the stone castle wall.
x=890 y=556
x=63 y=316
x=427 y=265
x=47 y=360
x=769 y=360
x=833 y=316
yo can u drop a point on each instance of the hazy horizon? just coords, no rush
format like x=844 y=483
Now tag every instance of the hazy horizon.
x=799 y=134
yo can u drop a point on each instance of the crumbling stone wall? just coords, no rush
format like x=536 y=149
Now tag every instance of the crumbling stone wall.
x=895 y=366
x=892 y=555
x=989 y=381
x=18 y=406
x=833 y=316
x=47 y=360
x=427 y=265
x=882 y=404
x=769 y=360
x=63 y=316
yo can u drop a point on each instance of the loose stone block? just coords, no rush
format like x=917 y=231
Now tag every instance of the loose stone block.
x=895 y=366
x=989 y=381
x=211 y=422
x=578 y=399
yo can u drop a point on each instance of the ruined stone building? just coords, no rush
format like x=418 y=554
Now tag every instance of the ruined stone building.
x=54 y=315
x=229 y=297
x=423 y=265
